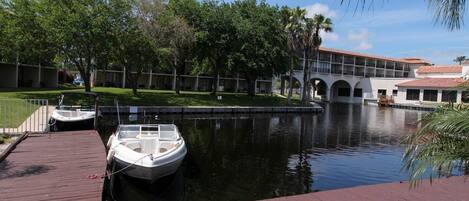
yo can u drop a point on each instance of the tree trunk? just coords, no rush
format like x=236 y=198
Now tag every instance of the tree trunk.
x=215 y=83
x=290 y=83
x=85 y=75
x=134 y=88
x=304 y=98
x=251 y=86
x=178 y=83
x=133 y=80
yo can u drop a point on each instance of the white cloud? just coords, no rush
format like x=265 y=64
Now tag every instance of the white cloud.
x=358 y=35
x=329 y=36
x=364 y=45
x=361 y=37
x=318 y=8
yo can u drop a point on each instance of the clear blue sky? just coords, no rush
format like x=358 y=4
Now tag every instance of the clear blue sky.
x=393 y=28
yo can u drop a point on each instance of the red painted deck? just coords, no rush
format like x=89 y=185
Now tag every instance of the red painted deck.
x=451 y=189
x=59 y=166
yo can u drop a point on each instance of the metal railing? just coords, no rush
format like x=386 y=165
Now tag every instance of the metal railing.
x=24 y=115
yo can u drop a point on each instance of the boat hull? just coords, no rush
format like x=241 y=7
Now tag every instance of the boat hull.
x=149 y=173
x=72 y=125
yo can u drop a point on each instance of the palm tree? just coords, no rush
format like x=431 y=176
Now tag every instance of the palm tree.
x=293 y=28
x=442 y=144
x=450 y=13
x=460 y=59
x=311 y=40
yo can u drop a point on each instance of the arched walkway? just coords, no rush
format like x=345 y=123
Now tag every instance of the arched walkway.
x=341 y=91
x=319 y=89
x=285 y=85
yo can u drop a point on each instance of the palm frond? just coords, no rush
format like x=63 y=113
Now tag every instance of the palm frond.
x=449 y=12
x=440 y=146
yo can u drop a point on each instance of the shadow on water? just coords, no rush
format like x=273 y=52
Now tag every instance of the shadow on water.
x=169 y=188
x=257 y=156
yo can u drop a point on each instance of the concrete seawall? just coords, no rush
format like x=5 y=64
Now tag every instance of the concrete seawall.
x=206 y=109
x=413 y=107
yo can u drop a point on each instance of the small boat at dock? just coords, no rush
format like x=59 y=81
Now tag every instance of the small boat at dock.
x=74 y=112
x=147 y=151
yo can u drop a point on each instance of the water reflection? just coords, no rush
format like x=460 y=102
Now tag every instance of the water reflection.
x=248 y=157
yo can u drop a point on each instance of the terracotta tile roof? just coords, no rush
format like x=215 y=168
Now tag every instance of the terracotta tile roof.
x=413 y=60
x=440 y=69
x=433 y=83
x=404 y=60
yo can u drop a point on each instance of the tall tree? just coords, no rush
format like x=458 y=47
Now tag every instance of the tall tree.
x=320 y=24
x=460 y=59
x=260 y=48
x=215 y=37
x=78 y=27
x=310 y=41
x=179 y=38
x=24 y=39
x=134 y=49
x=292 y=20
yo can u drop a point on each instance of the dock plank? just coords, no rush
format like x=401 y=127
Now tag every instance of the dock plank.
x=448 y=189
x=58 y=166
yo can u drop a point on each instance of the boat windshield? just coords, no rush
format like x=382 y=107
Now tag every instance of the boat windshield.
x=71 y=101
x=165 y=132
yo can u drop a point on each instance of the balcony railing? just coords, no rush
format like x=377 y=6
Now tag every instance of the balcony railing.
x=389 y=65
x=336 y=58
x=359 y=71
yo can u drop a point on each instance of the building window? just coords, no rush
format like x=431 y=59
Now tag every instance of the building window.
x=448 y=96
x=394 y=92
x=430 y=95
x=413 y=94
x=381 y=92
x=465 y=97
x=344 y=92
x=357 y=92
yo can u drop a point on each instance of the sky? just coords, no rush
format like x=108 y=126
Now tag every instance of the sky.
x=390 y=28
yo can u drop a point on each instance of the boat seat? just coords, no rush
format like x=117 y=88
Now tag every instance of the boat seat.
x=150 y=145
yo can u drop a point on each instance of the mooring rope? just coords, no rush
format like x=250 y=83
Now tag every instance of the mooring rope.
x=128 y=166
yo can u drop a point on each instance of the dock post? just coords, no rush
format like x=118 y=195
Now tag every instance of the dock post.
x=96 y=110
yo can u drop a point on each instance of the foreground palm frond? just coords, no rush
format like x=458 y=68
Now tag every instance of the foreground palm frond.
x=440 y=146
x=450 y=13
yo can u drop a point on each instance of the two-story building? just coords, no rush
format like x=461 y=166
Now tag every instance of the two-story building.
x=345 y=76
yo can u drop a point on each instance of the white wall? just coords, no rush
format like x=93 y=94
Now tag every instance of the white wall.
x=413 y=70
x=465 y=71
x=402 y=95
x=370 y=86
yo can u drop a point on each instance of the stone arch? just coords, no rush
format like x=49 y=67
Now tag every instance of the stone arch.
x=341 y=91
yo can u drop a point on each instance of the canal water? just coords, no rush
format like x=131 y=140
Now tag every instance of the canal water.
x=258 y=156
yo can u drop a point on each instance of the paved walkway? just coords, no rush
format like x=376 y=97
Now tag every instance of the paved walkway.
x=452 y=189
x=58 y=166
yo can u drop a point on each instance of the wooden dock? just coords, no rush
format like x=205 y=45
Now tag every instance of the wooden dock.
x=448 y=189
x=58 y=166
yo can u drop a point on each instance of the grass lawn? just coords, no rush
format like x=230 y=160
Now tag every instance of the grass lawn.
x=4 y=139
x=153 y=97
x=17 y=110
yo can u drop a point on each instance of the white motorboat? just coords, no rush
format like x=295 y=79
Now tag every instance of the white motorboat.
x=70 y=116
x=147 y=151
